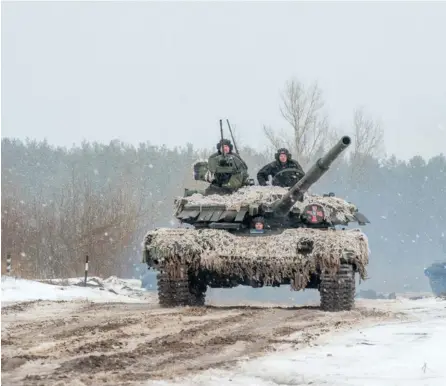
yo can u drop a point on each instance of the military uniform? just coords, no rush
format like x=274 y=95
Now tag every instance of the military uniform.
x=226 y=173
x=273 y=168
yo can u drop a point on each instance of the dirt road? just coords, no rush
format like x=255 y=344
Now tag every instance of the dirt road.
x=78 y=343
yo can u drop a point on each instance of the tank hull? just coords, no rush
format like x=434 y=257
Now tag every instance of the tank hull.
x=326 y=260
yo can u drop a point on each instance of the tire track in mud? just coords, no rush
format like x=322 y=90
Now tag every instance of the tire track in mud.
x=162 y=350
x=129 y=343
x=20 y=307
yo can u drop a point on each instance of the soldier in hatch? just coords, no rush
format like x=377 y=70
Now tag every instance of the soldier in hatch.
x=258 y=225
x=284 y=171
x=227 y=171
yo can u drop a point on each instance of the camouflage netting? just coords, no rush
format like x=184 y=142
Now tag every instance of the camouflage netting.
x=268 y=259
x=335 y=207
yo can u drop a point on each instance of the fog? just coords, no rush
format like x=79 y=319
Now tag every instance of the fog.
x=151 y=74
x=166 y=72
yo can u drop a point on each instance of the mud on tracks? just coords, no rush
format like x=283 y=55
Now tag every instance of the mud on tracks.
x=79 y=344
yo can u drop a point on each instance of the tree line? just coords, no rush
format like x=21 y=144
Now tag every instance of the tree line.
x=60 y=204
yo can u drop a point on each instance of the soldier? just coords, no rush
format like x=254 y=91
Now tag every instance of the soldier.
x=284 y=171
x=258 y=225
x=227 y=172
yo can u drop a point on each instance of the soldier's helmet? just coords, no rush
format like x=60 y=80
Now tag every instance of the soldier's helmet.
x=282 y=151
x=225 y=142
x=258 y=220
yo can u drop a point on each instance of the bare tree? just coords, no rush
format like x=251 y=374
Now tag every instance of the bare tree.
x=50 y=239
x=302 y=108
x=369 y=135
x=368 y=140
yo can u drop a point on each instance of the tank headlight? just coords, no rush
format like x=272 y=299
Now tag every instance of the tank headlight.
x=313 y=214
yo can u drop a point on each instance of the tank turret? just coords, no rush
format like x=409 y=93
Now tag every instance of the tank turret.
x=296 y=193
x=282 y=207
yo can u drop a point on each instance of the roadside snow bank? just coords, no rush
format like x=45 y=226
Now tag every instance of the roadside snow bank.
x=97 y=290
x=128 y=287
x=403 y=353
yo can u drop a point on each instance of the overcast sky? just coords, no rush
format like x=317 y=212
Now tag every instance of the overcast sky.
x=167 y=72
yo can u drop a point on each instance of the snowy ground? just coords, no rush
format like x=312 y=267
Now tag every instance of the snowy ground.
x=111 y=289
x=131 y=340
x=391 y=353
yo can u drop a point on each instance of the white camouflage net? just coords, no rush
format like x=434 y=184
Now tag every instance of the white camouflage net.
x=268 y=258
x=334 y=207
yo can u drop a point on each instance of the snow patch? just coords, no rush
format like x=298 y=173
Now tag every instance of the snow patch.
x=112 y=289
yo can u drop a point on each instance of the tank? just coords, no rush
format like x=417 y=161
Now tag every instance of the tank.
x=436 y=274
x=262 y=236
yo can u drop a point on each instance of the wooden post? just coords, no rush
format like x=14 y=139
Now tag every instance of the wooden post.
x=86 y=270
x=8 y=263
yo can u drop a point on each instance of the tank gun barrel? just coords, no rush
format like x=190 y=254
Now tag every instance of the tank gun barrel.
x=296 y=192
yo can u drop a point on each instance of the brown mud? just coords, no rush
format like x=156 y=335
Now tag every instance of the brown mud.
x=78 y=343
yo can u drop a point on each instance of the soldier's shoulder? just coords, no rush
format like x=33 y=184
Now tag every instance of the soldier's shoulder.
x=269 y=165
x=294 y=162
x=213 y=155
x=236 y=156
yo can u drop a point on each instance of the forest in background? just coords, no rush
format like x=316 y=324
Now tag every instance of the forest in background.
x=60 y=204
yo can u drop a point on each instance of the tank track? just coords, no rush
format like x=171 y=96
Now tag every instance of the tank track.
x=180 y=291
x=338 y=291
